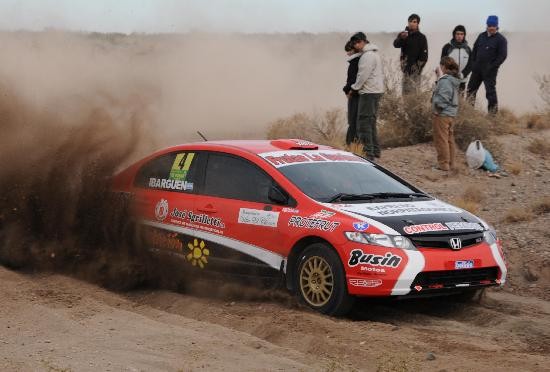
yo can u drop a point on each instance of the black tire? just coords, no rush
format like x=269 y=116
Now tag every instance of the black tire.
x=323 y=287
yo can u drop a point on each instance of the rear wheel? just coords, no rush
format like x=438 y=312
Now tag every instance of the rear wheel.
x=321 y=280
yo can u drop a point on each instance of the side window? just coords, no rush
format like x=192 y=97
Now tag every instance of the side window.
x=172 y=172
x=234 y=178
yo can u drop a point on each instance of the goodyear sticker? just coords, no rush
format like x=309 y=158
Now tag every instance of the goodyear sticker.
x=181 y=166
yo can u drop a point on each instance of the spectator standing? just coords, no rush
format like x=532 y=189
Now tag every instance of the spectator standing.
x=459 y=50
x=353 y=97
x=490 y=51
x=370 y=86
x=445 y=108
x=414 y=54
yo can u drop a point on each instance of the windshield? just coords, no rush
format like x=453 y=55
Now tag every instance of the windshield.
x=325 y=181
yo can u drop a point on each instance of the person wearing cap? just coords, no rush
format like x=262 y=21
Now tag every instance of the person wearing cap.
x=489 y=52
x=353 y=97
x=414 y=54
x=370 y=86
x=459 y=50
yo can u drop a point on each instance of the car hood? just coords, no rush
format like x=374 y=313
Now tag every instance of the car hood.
x=416 y=217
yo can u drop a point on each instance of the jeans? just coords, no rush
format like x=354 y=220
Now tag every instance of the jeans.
x=489 y=79
x=366 y=123
x=353 y=105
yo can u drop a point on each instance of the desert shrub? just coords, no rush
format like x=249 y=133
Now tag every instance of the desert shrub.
x=541 y=206
x=470 y=125
x=543 y=82
x=514 y=167
x=540 y=146
x=505 y=122
x=468 y=205
x=537 y=121
x=518 y=215
x=327 y=128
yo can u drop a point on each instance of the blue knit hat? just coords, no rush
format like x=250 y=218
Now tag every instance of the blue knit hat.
x=492 y=20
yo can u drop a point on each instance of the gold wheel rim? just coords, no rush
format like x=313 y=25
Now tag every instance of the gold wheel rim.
x=316 y=281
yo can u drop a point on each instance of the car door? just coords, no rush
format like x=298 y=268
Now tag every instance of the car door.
x=235 y=194
x=165 y=191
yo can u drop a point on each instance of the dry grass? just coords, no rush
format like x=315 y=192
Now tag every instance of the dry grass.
x=356 y=148
x=469 y=205
x=327 y=128
x=518 y=215
x=505 y=122
x=474 y=194
x=539 y=146
x=514 y=167
x=536 y=121
x=541 y=206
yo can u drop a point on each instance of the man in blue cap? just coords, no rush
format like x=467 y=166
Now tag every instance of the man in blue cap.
x=490 y=51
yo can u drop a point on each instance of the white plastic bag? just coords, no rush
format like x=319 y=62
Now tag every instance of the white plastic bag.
x=475 y=154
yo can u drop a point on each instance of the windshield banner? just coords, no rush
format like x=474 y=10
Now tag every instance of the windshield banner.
x=284 y=158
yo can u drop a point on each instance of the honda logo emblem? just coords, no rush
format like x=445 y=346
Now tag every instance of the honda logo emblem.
x=456 y=243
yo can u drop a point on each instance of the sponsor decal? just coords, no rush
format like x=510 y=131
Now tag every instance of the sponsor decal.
x=161 y=209
x=426 y=227
x=418 y=288
x=290 y=210
x=358 y=257
x=361 y=226
x=464 y=226
x=197 y=220
x=164 y=240
x=169 y=184
x=258 y=217
x=312 y=223
x=373 y=270
x=401 y=208
x=181 y=166
x=322 y=214
x=467 y=264
x=197 y=253
x=367 y=283
x=283 y=158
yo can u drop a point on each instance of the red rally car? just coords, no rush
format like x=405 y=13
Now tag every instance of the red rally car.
x=329 y=222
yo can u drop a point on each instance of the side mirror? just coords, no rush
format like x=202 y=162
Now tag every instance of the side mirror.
x=276 y=195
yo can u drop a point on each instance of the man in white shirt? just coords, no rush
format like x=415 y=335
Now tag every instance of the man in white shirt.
x=370 y=86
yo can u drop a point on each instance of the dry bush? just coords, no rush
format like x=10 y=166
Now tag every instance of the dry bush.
x=470 y=125
x=474 y=193
x=469 y=205
x=539 y=146
x=505 y=122
x=356 y=148
x=541 y=206
x=543 y=82
x=514 y=167
x=518 y=215
x=537 y=121
x=327 y=129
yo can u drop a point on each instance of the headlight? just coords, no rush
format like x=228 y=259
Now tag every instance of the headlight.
x=383 y=240
x=490 y=237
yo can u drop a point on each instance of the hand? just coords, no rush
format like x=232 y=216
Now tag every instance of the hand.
x=438 y=72
x=350 y=93
x=404 y=34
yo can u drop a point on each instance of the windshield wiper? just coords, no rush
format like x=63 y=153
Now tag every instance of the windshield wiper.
x=387 y=195
x=343 y=196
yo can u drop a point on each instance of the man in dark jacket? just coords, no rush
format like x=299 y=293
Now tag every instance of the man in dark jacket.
x=459 y=50
x=414 y=54
x=490 y=51
x=353 y=97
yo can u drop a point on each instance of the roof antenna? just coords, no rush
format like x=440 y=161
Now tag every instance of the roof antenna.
x=203 y=137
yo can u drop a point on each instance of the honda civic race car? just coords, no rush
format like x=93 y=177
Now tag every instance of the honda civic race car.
x=331 y=224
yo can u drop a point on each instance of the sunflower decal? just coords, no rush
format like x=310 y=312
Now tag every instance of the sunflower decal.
x=198 y=253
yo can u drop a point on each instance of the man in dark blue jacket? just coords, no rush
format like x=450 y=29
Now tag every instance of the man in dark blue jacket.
x=490 y=51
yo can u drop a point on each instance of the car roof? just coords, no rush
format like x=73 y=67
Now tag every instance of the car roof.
x=251 y=146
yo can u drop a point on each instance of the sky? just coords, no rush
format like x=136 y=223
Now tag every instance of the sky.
x=270 y=16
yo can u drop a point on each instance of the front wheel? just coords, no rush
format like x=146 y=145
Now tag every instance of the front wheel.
x=321 y=280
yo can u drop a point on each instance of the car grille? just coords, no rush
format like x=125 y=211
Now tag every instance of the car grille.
x=435 y=241
x=454 y=278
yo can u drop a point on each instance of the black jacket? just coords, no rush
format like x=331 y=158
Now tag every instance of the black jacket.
x=414 y=52
x=353 y=68
x=489 y=52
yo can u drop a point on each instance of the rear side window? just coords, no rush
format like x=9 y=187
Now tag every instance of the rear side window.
x=171 y=172
x=235 y=178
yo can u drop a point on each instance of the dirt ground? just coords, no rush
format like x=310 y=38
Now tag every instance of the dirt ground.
x=51 y=322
